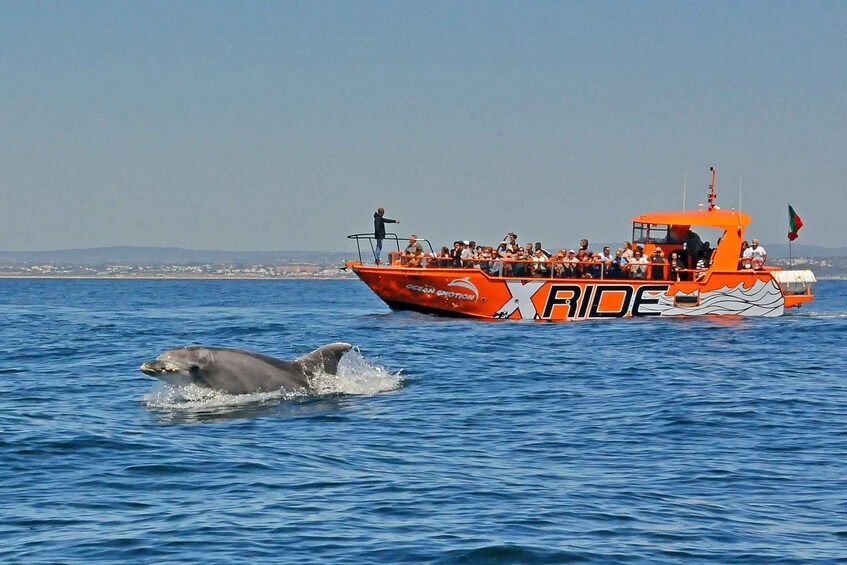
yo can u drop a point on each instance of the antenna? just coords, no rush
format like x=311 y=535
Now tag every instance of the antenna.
x=684 y=182
x=739 y=192
x=712 y=194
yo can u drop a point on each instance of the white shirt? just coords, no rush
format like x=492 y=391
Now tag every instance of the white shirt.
x=759 y=255
x=747 y=255
x=638 y=267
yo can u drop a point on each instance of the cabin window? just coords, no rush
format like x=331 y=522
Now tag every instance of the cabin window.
x=649 y=233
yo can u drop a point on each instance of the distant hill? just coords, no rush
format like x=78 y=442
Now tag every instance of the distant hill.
x=781 y=250
x=778 y=250
x=127 y=255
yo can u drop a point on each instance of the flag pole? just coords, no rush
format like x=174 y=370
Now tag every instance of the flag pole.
x=790 y=257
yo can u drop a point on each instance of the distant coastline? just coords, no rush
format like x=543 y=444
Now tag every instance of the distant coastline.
x=170 y=278
x=241 y=278
x=152 y=263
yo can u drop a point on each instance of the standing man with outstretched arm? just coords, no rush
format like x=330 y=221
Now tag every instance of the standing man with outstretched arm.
x=379 y=231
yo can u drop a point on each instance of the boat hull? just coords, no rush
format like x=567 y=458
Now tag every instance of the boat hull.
x=474 y=293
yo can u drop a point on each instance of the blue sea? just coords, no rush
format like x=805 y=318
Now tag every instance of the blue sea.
x=440 y=441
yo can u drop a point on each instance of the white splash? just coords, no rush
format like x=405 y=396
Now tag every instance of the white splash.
x=191 y=397
x=357 y=375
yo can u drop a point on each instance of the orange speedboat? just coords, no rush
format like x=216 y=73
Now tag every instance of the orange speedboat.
x=720 y=284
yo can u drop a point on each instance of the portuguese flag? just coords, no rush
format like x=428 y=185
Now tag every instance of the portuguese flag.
x=794 y=223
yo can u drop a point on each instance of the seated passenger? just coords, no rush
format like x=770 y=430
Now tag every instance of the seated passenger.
x=502 y=266
x=745 y=262
x=443 y=258
x=703 y=260
x=469 y=255
x=557 y=262
x=658 y=263
x=539 y=248
x=540 y=267
x=677 y=266
x=638 y=265
x=519 y=266
x=413 y=245
x=412 y=249
x=456 y=254
x=416 y=258
x=606 y=258
x=617 y=266
x=592 y=267
x=702 y=265
x=571 y=268
x=628 y=252
x=485 y=255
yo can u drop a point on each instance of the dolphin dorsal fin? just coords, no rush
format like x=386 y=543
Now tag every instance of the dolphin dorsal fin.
x=324 y=358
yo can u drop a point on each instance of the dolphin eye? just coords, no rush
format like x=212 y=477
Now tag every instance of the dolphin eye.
x=194 y=369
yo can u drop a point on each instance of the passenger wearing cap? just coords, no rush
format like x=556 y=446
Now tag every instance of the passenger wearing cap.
x=571 y=267
x=657 y=260
x=511 y=239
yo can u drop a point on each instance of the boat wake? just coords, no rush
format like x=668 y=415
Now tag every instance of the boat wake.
x=816 y=314
x=356 y=376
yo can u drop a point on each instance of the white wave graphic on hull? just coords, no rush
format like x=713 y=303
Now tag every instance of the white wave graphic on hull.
x=762 y=299
x=465 y=282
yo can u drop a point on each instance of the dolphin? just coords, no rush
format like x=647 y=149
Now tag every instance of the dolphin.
x=237 y=371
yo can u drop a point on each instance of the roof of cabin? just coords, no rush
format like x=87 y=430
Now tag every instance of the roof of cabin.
x=716 y=218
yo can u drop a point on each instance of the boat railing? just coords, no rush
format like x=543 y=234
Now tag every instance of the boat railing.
x=392 y=238
x=550 y=268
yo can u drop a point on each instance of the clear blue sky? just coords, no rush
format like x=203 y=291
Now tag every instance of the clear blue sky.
x=283 y=125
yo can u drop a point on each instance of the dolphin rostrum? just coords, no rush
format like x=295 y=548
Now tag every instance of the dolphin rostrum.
x=237 y=371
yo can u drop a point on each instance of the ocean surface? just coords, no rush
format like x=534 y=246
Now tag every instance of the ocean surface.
x=441 y=440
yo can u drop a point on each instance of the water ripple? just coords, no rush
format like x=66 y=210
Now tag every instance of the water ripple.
x=635 y=441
